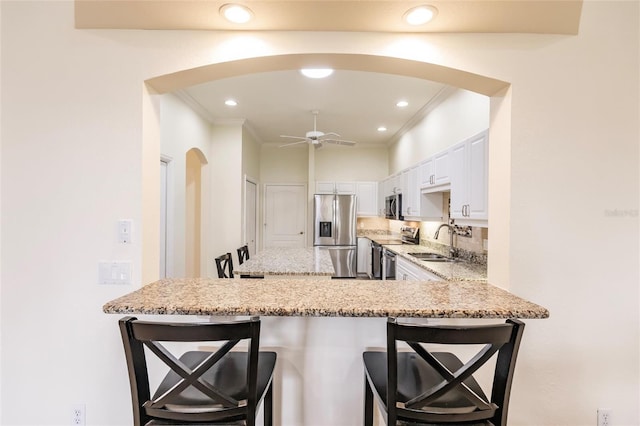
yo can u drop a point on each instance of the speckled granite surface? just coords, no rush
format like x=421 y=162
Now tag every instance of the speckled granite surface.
x=321 y=297
x=458 y=271
x=313 y=261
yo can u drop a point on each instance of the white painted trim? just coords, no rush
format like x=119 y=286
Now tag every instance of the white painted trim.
x=170 y=219
x=254 y=181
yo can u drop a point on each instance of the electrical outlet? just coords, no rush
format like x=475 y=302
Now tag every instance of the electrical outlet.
x=77 y=415
x=604 y=417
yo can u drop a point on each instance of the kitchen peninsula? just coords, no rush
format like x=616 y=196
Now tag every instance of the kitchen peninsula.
x=319 y=327
x=319 y=297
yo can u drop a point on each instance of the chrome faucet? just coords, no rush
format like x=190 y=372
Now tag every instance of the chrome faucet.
x=452 y=249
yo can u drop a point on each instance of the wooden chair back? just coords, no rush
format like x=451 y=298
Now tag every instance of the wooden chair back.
x=195 y=372
x=437 y=379
x=224 y=264
x=243 y=254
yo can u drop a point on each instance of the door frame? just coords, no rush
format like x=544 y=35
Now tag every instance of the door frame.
x=264 y=209
x=169 y=220
x=258 y=241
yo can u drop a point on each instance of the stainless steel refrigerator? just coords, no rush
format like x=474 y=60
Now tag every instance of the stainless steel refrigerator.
x=335 y=228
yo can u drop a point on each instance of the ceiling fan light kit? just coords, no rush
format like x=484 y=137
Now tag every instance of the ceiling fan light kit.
x=317 y=138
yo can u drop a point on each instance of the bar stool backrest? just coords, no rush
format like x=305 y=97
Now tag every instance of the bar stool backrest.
x=224 y=264
x=201 y=386
x=243 y=254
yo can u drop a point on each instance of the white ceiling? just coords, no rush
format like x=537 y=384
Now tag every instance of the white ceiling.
x=351 y=103
x=468 y=16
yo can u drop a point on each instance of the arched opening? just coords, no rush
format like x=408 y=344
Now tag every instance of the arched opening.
x=499 y=155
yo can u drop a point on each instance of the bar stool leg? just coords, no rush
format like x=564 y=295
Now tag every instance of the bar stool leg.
x=368 y=403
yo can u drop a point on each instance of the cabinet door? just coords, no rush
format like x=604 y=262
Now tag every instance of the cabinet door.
x=459 y=180
x=441 y=168
x=411 y=195
x=426 y=173
x=345 y=187
x=325 y=187
x=408 y=271
x=478 y=179
x=381 y=196
x=469 y=178
x=367 y=198
x=395 y=182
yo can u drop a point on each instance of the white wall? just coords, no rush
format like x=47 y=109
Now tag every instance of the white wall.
x=284 y=165
x=72 y=111
x=181 y=130
x=226 y=201
x=343 y=163
x=455 y=118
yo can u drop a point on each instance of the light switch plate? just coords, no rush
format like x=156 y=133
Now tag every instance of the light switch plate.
x=114 y=273
x=124 y=231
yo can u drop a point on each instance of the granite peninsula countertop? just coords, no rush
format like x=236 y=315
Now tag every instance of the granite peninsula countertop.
x=312 y=261
x=319 y=297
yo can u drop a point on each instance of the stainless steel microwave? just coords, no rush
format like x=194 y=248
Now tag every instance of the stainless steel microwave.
x=393 y=207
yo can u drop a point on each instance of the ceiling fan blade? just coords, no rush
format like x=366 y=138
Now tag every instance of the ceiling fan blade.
x=293 y=143
x=339 y=142
x=332 y=134
x=294 y=137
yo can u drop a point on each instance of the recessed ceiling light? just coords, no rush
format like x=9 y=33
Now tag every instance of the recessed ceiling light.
x=316 y=72
x=402 y=104
x=230 y=102
x=420 y=15
x=382 y=129
x=236 y=13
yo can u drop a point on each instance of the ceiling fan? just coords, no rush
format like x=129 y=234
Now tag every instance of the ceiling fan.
x=316 y=137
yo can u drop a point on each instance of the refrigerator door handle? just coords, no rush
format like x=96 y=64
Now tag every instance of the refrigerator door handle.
x=336 y=222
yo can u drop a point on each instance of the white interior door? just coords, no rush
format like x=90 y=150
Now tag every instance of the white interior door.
x=250 y=206
x=285 y=216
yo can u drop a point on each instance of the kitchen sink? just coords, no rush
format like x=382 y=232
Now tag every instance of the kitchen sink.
x=432 y=257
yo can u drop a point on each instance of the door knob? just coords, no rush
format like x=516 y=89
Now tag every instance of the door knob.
x=301 y=232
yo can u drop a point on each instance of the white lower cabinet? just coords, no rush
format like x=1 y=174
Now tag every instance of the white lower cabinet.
x=408 y=271
x=364 y=256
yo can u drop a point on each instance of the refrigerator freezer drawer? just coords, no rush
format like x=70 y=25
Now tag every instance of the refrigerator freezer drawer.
x=344 y=261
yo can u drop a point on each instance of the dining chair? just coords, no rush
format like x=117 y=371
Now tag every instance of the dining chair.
x=200 y=386
x=224 y=264
x=243 y=254
x=423 y=385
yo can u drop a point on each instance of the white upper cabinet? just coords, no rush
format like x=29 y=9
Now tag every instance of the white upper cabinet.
x=335 y=187
x=469 y=179
x=411 y=192
x=367 y=198
x=434 y=172
x=462 y=170
x=366 y=194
